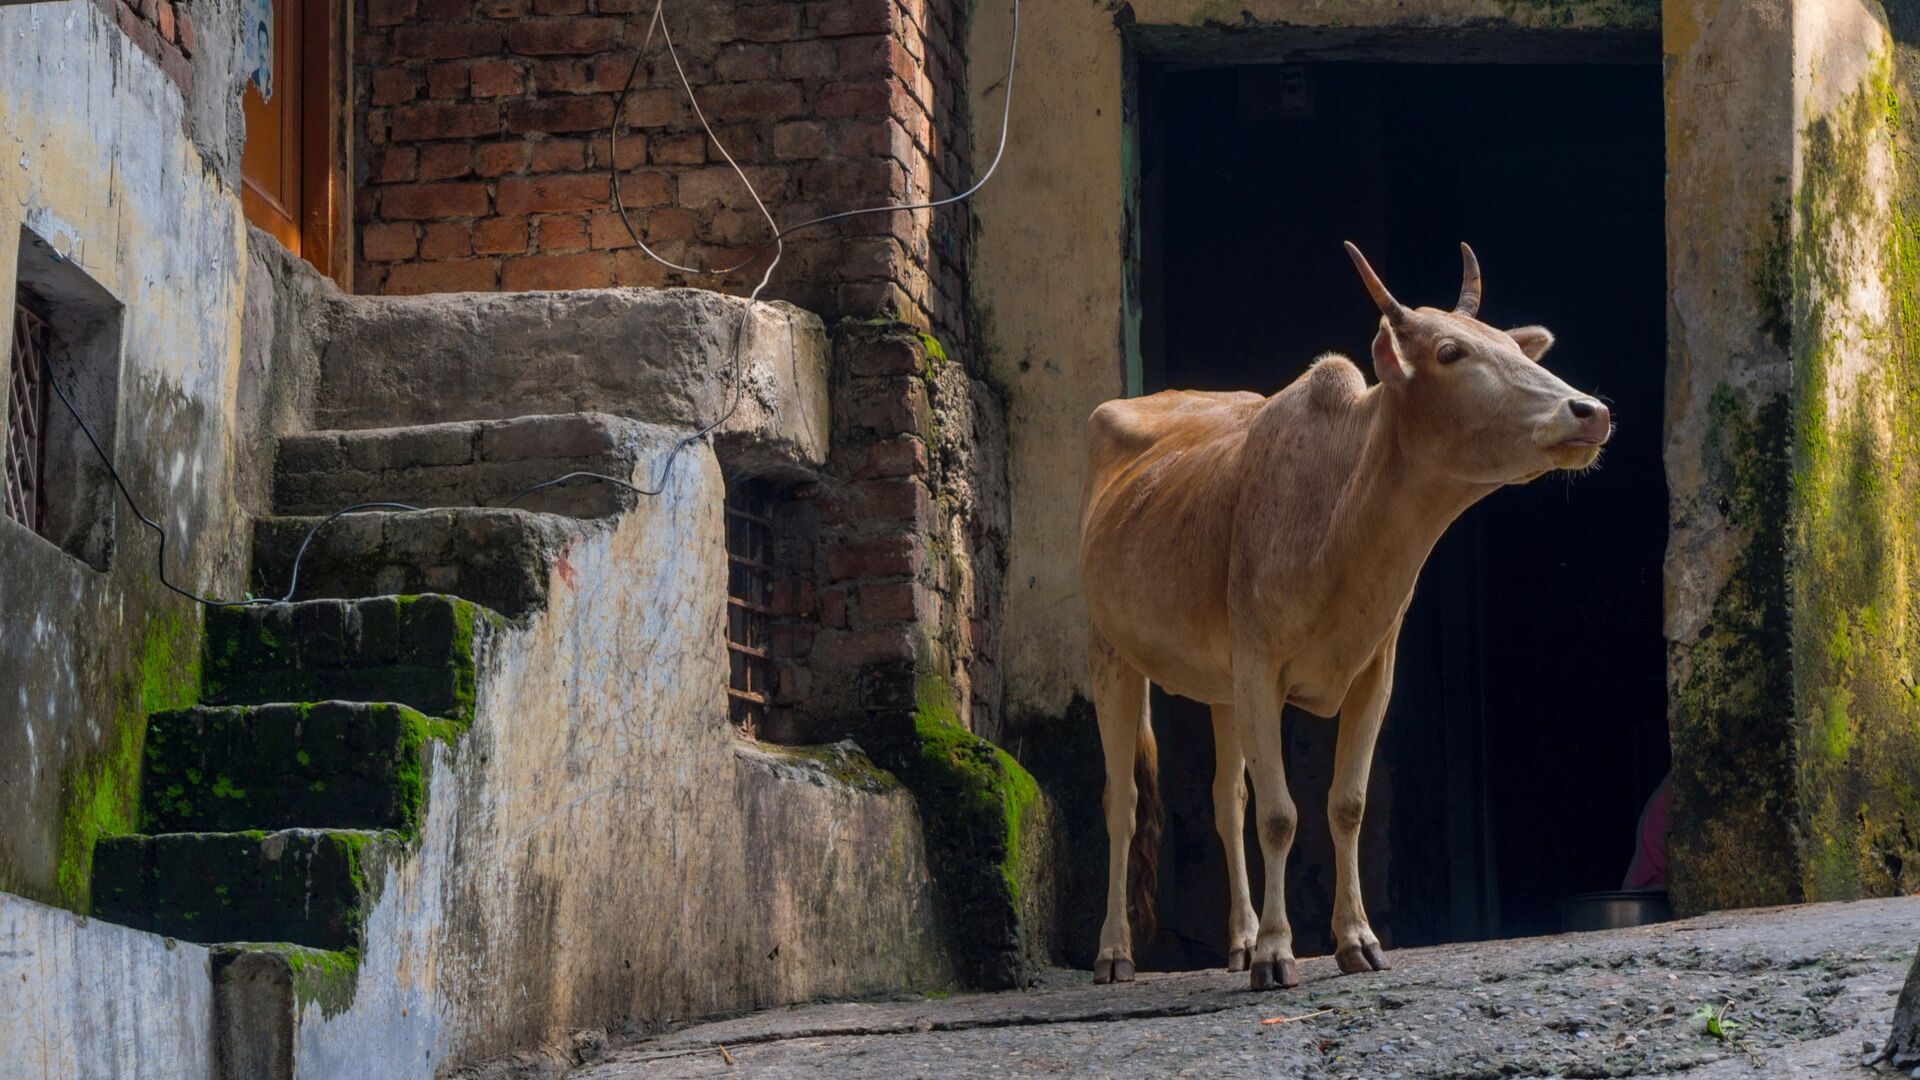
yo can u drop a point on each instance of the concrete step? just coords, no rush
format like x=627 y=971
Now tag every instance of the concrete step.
x=475 y=463
x=665 y=356
x=415 y=650
x=329 y=764
x=260 y=990
x=305 y=886
x=499 y=558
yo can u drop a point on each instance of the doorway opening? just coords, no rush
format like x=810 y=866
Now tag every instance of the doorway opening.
x=293 y=167
x=1529 y=721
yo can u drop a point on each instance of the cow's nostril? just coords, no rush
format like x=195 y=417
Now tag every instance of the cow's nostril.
x=1583 y=410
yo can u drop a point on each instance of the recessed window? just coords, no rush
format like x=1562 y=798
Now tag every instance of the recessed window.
x=63 y=358
x=750 y=574
x=27 y=399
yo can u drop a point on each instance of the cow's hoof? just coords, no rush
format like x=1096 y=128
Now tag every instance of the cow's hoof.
x=1117 y=970
x=1237 y=958
x=1363 y=956
x=1281 y=974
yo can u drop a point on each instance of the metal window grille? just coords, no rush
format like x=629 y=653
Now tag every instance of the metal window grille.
x=749 y=608
x=26 y=418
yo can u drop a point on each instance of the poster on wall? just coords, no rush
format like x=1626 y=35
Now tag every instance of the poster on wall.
x=256 y=45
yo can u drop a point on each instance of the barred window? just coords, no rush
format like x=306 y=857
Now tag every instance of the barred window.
x=750 y=570
x=26 y=456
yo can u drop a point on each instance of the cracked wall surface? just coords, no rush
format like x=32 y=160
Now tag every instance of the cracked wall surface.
x=133 y=183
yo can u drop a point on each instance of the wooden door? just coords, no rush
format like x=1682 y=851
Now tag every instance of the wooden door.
x=289 y=167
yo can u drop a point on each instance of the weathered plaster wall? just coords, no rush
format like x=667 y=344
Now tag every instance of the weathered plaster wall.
x=1730 y=166
x=107 y=161
x=599 y=848
x=1790 y=616
x=87 y=999
x=1054 y=321
x=1856 y=413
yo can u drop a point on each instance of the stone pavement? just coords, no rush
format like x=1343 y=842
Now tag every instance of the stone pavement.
x=1804 y=988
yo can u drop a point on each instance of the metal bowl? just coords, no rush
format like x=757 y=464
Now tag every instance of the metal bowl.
x=1614 y=910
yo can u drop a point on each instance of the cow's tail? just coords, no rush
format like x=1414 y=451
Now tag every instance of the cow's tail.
x=1143 y=857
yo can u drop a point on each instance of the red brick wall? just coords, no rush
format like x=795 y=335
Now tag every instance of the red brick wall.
x=485 y=150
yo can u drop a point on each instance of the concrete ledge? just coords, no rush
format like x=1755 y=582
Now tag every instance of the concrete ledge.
x=658 y=355
x=84 y=998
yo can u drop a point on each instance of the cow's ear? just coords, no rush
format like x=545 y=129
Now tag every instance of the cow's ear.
x=1533 y=340
x=1388 y=367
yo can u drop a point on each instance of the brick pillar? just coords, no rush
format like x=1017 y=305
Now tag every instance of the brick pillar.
x=899 y=657
x=880 y=610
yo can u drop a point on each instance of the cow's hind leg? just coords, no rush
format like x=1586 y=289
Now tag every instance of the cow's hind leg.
x=1120 y=700
x=1355 y=946
x=1230 y=821
x=1257 y=707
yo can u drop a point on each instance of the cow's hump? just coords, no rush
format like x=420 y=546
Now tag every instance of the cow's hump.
x=1334 y=383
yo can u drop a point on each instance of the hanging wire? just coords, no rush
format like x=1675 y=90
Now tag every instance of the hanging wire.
x=776 y=244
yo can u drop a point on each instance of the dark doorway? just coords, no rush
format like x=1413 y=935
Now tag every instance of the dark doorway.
x=1529 y=718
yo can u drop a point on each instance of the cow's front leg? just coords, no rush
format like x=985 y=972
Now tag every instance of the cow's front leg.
x=1120 y=703
x=1355 y=946
x=1259 y=714
x=1230 y=821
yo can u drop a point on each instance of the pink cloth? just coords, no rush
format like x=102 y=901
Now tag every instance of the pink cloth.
x=1649 y=868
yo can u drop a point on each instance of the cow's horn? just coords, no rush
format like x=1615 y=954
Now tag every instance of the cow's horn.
x=1469 y=304
x=1388 y=305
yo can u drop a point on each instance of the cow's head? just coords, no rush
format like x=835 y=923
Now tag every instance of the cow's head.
x=1473 y=399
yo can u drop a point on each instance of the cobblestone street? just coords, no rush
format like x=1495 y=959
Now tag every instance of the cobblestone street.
x=1802 y=989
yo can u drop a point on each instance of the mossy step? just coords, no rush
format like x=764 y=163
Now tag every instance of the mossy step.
x=305 y=886
x=332 y=764
x=502 y=559
x=415 y=650
x=261 y=989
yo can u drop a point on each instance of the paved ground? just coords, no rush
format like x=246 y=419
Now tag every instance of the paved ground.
x=1805 y=988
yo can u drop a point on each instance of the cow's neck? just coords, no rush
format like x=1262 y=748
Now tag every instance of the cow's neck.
x=1394 y=508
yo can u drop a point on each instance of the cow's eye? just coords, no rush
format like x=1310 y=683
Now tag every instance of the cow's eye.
x=1451 y=352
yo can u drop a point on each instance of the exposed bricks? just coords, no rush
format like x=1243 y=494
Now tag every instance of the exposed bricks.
x=420 y=202
x=442 y=120
x=582 y=271
x=552 y=193
x=830 y=104
x=895 y=595
x=441 y=42
x=560 y=114
x=163 y=32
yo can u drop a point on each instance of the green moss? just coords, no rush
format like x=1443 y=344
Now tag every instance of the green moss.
x=1563 y=14
x=100 y=792
x=1731 y=707
x=465 y=626
x=409 y=774
x=322 y=977
x=1773 y=278
x=1856 y=469
x=935 y=351
x=976 y=806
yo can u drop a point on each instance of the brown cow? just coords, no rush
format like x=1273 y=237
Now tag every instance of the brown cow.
x=1254 y=552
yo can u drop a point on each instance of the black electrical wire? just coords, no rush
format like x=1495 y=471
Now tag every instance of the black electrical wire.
x=776 y=244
